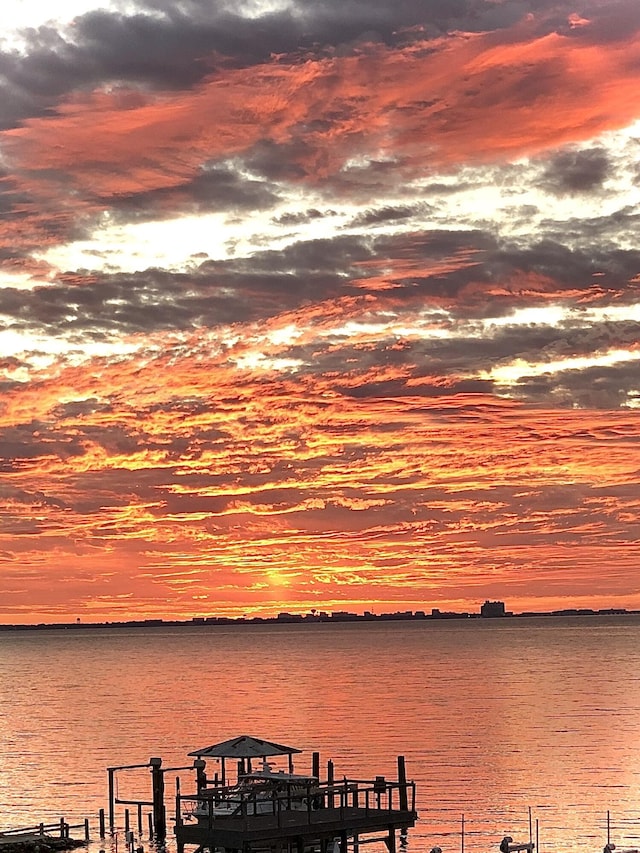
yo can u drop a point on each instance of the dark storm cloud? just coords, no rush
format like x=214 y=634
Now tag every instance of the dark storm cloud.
x=598 y=387
x=216 y=188
x=162 y=45
x=572 y=172
x=174 y=49
x=219 y=292
x=389 y=213
x=302 y=217
x=575 y=269
x=469 y=273
x=22 y=446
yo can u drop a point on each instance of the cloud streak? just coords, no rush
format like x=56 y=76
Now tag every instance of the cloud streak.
x=330 y=307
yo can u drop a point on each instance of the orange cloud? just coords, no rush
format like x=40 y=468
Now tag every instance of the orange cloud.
x=467 y=98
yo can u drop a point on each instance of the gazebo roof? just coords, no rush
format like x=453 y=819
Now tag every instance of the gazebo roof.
x=244 y=746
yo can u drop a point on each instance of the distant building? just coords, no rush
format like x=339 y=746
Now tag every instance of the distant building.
x=491 y=609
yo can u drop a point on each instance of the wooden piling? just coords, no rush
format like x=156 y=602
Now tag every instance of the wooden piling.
x=101 y=823
x=315 y=765
x=126 y=820
x=157 y=782
x=112 y=801
x=402 y=782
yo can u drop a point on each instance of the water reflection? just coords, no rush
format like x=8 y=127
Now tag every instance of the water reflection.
x=505 y=722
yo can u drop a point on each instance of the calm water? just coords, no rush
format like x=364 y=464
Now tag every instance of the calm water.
x=497 y=719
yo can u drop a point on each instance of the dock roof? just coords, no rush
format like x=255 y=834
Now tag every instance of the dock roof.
x=244 y=746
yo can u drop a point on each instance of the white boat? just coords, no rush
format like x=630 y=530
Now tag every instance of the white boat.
x=264 y=791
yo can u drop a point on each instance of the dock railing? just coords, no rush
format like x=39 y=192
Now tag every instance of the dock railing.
x=60 y=828
x=379 y=795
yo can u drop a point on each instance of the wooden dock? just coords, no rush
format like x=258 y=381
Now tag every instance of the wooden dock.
x=267 y=810
x=298 y=831
x=352 y=812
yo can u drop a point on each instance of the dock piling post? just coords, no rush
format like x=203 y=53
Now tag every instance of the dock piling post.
x=139 y=818
x=402 y=782
x=315 y=765
x=159 y=817
x=126 y=820
x=112 y=801
x=150 y=823
x=86 y=829
x=330 y=783
x=101 y=822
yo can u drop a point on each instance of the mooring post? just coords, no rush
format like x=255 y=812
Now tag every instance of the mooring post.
x=86 y=829
x=157 y=781
x=330 y=784
x=139 y=818
x=126 y=820
x=101 y=822
x=150 y=822
x=402 y=781
x=112 y=801
x=315 y=765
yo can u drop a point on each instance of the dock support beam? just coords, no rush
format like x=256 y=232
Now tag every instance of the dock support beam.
x=391 y=840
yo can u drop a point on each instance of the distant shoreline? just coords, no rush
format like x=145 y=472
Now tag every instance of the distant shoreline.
x=324 y=618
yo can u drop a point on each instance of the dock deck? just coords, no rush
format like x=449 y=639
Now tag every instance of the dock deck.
x=350 y=811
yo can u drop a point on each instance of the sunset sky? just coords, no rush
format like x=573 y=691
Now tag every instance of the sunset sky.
x=328 y=305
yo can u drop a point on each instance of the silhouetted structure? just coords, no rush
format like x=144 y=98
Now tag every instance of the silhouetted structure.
x=493 y=609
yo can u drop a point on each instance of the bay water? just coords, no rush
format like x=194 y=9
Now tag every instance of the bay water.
x=508 y=726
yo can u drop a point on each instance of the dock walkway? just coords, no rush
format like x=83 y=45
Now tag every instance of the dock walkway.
x=350 y=811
